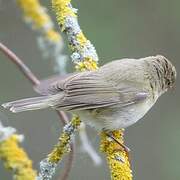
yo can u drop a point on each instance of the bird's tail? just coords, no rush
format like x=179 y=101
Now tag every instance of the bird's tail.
x=32 y=103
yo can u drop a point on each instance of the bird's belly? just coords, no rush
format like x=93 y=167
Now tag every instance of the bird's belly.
x=128 y=116
x=115 y=117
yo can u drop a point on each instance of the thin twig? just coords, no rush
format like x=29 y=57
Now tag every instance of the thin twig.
x=63 y=116
x=19 y=63
x=35 y=81
x=69 y=164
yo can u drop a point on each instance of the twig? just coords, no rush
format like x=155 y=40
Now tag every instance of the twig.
x=84 y=55
x=33 y=79
x=19 y=63
x=87 y=146
x=49 y=164
x=62 y=115
x=69 y=164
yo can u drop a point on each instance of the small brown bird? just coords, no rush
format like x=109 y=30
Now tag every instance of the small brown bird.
x=115 y=96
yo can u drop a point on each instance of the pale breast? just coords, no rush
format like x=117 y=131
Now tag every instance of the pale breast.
x=112 y=118
x=127 y=116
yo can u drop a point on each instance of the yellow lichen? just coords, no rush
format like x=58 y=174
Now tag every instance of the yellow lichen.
x=38 y=17
x=117 y=158
x=88 y=64
x=81 y=39
x=53 y=35
x=16 y=160
x=62 y=147
x=62 y=10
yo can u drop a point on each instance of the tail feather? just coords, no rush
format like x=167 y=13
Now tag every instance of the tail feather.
x=34 y=103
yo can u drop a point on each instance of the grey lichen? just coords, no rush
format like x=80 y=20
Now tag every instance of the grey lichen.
x=47 y=170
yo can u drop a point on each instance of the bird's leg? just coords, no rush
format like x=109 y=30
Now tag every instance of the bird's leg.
x=124 y=147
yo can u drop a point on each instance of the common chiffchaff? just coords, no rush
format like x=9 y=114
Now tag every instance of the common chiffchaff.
x=115 y=96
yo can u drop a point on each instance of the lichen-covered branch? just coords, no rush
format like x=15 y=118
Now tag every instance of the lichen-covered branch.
x=84 y=54
x=13 y=156
x=50 y=41
x=48 y=165
x=64 y=140
x=117 y=158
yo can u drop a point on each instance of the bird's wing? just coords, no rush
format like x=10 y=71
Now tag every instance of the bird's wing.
x=48 y=86
x=88 y=91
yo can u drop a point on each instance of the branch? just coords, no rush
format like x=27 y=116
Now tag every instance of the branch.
x=69 y=163
x=117 y=159
x=19 y=63
x=49 y=164
x=84 y=55
x=87 y=147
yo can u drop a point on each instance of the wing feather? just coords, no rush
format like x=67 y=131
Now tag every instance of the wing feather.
x=89 y=90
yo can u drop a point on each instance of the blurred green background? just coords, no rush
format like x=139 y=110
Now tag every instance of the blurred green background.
x=118 y=28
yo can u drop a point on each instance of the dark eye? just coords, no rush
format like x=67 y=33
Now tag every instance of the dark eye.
x=168 y=83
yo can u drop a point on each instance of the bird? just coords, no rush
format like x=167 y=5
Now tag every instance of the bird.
x=115 y=96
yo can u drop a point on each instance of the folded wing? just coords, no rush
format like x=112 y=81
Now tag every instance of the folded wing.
x=89 y=90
